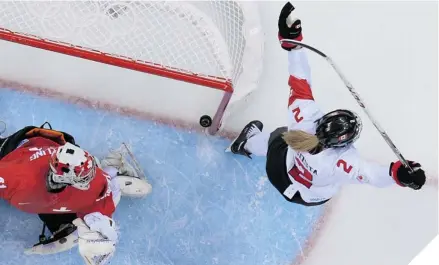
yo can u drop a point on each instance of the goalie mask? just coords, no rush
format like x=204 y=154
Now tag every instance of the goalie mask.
x=70 y=165
x=338 y=128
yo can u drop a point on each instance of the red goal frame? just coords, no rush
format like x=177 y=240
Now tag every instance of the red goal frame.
x=214 y=82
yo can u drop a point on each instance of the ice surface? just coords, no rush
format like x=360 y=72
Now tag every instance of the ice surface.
x=396 y=78
x=207 y=206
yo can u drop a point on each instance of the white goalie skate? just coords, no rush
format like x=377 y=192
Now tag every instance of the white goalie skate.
x=130 y=177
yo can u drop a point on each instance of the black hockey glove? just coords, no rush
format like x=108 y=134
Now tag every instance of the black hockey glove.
x=404 y=178
x=289 y=28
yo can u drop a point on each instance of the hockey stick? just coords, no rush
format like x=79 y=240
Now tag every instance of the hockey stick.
x=357 y=98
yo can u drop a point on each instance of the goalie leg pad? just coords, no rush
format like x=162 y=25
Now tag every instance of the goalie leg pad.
x=126 y=173
x=133 y=187
x=117 y=160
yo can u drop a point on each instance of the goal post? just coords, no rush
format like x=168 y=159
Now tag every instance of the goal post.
x=213 y=44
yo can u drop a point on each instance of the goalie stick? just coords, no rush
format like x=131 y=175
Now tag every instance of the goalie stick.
x=357 y=98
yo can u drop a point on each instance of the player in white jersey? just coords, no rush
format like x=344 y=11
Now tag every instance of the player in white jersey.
x=309 y=160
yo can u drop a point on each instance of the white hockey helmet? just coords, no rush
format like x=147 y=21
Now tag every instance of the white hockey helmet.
x=70 y=165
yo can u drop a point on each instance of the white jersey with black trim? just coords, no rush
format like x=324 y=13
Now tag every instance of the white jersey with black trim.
x=319 y=177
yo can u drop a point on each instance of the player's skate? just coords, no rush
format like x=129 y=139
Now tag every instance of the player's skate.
x=250 y=130
x=130 y=177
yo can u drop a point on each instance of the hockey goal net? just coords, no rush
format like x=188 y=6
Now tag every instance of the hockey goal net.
x=211 y=44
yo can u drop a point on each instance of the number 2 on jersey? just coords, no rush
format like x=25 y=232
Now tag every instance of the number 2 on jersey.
x=301 y=174
x=296 y=113
x=344 y=165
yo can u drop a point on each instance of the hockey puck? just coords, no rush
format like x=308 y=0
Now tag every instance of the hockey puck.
x=205 y=121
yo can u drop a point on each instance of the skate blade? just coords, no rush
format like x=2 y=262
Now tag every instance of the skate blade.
x=229 y=149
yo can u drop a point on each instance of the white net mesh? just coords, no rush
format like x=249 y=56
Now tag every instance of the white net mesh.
x=215 y=40
x=204 y=37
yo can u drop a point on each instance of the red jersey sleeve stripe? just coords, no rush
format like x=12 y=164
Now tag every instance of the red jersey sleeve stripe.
x=300 y=89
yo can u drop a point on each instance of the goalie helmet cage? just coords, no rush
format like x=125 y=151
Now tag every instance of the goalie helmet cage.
x=215 y=44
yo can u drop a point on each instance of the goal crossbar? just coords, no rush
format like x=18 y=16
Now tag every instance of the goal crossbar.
x=128 y=63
